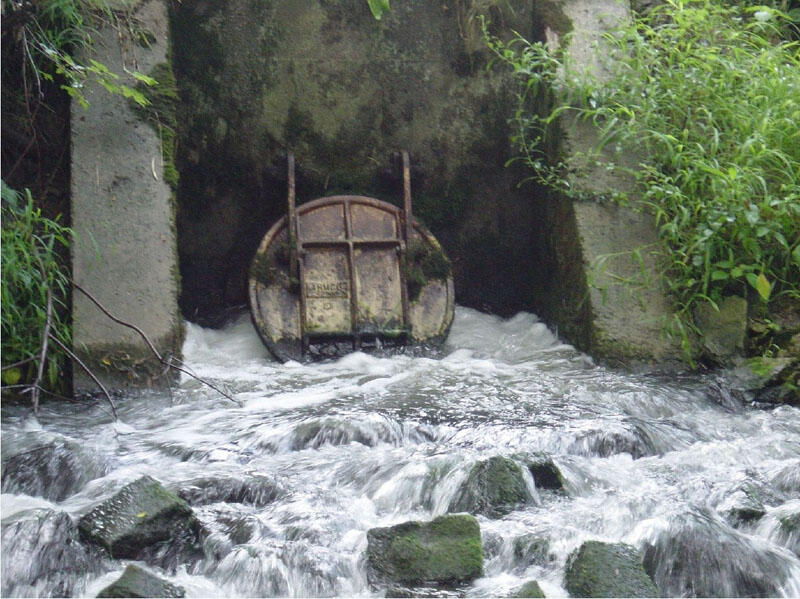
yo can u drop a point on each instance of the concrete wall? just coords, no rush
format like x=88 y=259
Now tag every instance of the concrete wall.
x=622 y=309
x=124 y=218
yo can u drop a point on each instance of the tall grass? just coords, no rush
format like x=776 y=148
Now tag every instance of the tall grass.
x=707 y=94
x=35 y=291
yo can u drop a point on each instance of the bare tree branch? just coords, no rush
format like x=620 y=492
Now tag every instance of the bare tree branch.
x=87 y=371
x=42 y=353
x=167 y=363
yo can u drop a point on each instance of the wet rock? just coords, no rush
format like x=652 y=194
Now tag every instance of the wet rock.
x=529 y=589
x=787 y=479
x=54 y=471
x=531 y=550
x=782 y=526
x=257 y=491
x=138 y=582
x=545 y=473
x=428 y=592
x=698 y=555
x=747 y=500
x=613 y=439
x=722 y=394
x=444 y=551
x=330 y=431
x=143 y=520
x=493 y=487
x=723 y=331
x=43 y=556
x=783 y=387
x=607 y=570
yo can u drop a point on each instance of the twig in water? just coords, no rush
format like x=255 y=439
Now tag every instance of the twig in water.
x=149 y=343
x=87 y=371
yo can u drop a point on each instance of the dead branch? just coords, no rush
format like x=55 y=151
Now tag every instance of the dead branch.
x=87 y=370
x=166 y=363
x=42 y=353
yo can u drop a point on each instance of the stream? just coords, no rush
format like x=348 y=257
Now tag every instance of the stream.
x=317 y=454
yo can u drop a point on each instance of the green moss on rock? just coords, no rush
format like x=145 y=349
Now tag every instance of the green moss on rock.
x=599 y=569
x=141 y=514
x=493 y=488
x=529 y=589
x=445 y=550
x=424 y=263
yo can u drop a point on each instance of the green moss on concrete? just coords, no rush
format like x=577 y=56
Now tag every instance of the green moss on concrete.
x=161 y=114
x=607 y=570
x=445 y=550
x=494 y=487
x=424 y=263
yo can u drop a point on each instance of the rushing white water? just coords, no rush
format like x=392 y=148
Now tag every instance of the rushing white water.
x=322 y=452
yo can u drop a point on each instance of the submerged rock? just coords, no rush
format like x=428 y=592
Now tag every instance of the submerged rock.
x=787 y=479
x=529 y=589
x=493 y=487
x=632 y=437
x=142 y=514
x=747 y=500
x=698 y=555
x=257 y=491
x=43 y=557
x=544 y=471
x=607 y=570
x=53 y=471
x=444 y=551
x=138 y=582
x=531 y=549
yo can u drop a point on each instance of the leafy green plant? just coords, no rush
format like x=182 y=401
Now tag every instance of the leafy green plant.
x=35 y=291
x=378 y=7
x=707 y=96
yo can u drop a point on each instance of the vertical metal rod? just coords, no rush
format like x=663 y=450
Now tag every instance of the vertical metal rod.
x=295 y=270
x=405 y=218
x=406 y=195
x=351 y=267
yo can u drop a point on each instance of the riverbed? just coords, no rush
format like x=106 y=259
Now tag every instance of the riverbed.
x=330 y=450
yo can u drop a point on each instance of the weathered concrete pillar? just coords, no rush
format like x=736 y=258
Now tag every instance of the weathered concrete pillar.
x=615 y=305
x=123 y=215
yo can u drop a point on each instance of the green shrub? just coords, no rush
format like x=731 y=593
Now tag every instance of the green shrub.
x=707 y=94
x=31 y=271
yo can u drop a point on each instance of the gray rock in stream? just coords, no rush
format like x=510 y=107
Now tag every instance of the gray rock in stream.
x=698 y=555
x=143 y=520
x=446 y=550
x=43 y=557
x=54 y=471
x=530 y=589
x=493 y=488
x=544 y=471
x=257 y=491
x=138 y=582
x=607 y=570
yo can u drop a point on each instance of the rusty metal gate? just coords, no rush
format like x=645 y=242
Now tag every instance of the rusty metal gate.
x=344 y=273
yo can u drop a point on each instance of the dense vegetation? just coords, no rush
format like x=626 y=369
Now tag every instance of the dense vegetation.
x=42 y=71
x=708 y=95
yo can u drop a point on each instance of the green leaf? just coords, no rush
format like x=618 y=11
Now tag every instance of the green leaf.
x=796 y=255
x=144 y=78
x=12 y=376
x=719 y=275
x=763 y=286
x=378 y=7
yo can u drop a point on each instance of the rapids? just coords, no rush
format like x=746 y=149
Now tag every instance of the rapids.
x=287 y=483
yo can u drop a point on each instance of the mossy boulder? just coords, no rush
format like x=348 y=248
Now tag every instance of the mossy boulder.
x=142 y=514
x=529 y=589
x=599 y=569
x=445 y=550
x=138 y=582
x=493 y=488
